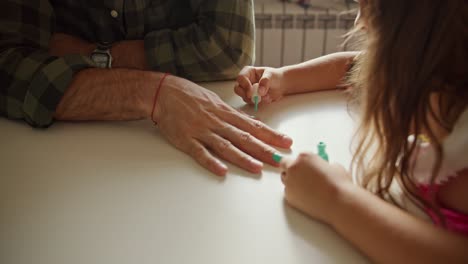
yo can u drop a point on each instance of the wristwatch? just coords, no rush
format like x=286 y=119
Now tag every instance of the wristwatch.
x=101 y=56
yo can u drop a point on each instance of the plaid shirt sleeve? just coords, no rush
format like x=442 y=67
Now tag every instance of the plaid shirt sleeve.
x=32 y=82
x=215 y=47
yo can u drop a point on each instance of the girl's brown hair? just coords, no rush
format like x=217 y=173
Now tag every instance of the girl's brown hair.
x=411 y=79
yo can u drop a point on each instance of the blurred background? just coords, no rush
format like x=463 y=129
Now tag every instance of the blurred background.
x=289 y=32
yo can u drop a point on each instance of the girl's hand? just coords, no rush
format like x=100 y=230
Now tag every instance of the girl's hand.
x=314 y=186
x=268 y=79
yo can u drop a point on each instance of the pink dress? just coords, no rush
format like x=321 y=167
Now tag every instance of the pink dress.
x=455 y=148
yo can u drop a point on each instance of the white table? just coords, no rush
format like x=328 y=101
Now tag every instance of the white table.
x=117 y=192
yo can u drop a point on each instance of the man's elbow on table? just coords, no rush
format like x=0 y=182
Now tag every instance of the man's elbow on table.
x=240 y=59
x=221 y=57
x=227 y=69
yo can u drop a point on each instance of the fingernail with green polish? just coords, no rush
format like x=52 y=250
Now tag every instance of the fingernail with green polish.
x=277 y=157
x=322 y=151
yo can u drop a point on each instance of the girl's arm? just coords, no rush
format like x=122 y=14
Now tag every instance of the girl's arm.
x=379 y=229
x=388 y=234
x=323 y=73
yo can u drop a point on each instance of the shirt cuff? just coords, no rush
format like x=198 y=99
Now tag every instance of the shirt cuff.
x=48 y=87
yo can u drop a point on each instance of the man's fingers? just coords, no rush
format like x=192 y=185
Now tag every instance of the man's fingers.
x=257 y=129
x=248 y=144
x=246 y=115
x=227 y=151
x=205 y=158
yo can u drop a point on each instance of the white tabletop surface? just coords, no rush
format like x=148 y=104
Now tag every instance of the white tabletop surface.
x=117 y=192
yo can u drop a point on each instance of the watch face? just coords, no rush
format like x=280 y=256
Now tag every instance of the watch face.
x=101 y=59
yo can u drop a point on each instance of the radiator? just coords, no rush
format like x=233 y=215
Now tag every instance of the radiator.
x=287 y=33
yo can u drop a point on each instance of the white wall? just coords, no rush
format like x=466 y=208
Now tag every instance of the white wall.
x=288 y=33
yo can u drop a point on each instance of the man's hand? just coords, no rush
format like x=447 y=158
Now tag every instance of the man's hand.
x=192 y=118
x=199 y=123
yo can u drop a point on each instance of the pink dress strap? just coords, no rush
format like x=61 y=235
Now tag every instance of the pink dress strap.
x=455 y=148
x=454 y=220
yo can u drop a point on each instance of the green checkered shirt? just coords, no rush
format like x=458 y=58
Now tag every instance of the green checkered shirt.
x=199 y=40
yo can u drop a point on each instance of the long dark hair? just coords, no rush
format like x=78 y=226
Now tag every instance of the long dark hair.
x=411 y=78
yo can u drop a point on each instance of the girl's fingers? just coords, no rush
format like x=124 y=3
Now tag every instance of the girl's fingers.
x=267 y=99
x=245 y=79
x=283 y=177
x=285 y=163
x=241 y=92
x=264 y=83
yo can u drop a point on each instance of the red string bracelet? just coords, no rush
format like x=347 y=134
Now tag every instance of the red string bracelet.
x=156 y=96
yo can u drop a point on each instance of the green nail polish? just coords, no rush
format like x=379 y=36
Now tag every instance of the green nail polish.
x=277 y=157
x=322 y=152
x=256 y=102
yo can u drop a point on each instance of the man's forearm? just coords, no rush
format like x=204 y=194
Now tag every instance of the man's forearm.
x=115 y=94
